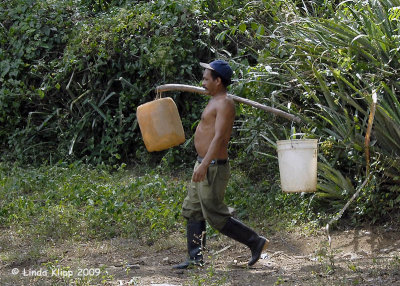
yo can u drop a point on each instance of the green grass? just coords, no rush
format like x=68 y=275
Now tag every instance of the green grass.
x=82 y=202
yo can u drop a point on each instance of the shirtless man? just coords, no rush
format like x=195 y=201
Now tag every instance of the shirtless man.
x=205 y=198
x=214 y=130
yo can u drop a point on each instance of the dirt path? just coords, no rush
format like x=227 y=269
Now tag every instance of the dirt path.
x=358 y=257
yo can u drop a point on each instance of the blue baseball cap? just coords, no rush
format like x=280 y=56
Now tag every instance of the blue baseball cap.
x=221 y=67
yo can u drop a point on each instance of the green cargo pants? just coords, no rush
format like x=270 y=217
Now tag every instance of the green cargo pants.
x=205 y=200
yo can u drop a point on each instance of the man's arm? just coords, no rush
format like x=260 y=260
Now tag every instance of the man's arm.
x=223 y=128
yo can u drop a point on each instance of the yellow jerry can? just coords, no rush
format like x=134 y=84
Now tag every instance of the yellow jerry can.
x=160 y=124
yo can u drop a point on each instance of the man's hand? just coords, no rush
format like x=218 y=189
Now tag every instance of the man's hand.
x=200 y=173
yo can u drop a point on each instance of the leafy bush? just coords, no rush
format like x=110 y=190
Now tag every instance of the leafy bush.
x=33 y=36
x=78 y=77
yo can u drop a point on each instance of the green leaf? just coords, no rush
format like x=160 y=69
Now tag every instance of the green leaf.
x=260 y=30
x=40 y=93
x=4 y=67
x=242 y=27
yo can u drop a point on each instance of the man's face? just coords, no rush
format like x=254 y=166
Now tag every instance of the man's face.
x=208 y=82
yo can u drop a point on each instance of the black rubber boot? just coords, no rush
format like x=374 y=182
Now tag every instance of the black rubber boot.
x=196 y=240
x=243 y=234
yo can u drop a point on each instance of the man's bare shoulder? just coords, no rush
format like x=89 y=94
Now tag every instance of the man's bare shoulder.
x=224 y=101
x=227 y=104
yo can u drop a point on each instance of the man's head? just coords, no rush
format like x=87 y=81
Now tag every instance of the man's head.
x=220 y=68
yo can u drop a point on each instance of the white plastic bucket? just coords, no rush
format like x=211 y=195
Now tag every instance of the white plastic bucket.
x=298 y=165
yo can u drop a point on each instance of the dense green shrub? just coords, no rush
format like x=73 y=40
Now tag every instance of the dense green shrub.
x=33 y=37
x=77 y=77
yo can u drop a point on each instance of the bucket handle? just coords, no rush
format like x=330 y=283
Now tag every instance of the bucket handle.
x=158 y=94
x=295 y=134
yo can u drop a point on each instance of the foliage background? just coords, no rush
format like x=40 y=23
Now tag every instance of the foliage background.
x=73 y=72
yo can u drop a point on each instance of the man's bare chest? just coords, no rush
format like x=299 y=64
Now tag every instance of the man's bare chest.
x=209 y=114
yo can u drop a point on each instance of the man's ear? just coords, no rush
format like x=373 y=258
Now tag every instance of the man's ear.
x=219 y=81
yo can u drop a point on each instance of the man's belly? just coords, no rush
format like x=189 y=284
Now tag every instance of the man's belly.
x=203 y=137
x=202 y=144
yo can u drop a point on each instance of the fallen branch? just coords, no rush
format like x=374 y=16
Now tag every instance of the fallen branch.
x=367 y=175
x=339 y=215
x=200 y=90
x=222 y=250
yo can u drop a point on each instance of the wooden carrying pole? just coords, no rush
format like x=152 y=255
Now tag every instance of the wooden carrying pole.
x=200 y=90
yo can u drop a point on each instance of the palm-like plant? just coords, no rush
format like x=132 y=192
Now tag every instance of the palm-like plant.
x=337 y=65
x=352 y=57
